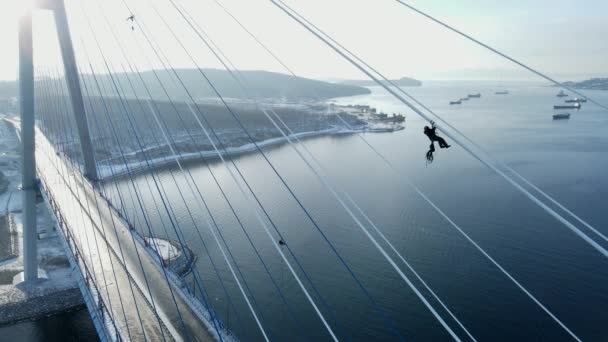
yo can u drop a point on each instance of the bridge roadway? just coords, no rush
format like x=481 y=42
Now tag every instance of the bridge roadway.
x=101 y=234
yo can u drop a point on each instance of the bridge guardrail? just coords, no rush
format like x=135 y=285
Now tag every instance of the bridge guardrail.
x=131 y=279
x=104 y=313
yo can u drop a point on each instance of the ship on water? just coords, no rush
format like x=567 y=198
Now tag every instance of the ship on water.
x=576 y=100
x=568 y=106
x=561 y=94
x=562 y=116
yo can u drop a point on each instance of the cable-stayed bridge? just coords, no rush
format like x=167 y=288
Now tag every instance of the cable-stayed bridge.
x=77 y=118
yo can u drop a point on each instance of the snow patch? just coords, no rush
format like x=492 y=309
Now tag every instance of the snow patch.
x=165 y=248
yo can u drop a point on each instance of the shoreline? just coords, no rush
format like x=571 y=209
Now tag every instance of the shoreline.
x=56 y=291
x=120 y=171
x=110 y=172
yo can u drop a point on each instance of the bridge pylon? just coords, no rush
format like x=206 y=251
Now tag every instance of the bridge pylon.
x=26 y=98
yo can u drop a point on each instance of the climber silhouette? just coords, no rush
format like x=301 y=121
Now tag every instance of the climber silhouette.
x=131 y=18
x=432 y=134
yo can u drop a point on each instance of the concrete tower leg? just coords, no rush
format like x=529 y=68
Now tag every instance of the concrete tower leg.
x=73 y=81
x=28 y=162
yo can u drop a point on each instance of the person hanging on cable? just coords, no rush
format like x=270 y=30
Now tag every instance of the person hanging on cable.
x=131 y=18
x=432 y=134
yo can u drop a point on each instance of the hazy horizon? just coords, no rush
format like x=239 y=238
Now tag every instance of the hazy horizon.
x=565 y=39
x=458 y=75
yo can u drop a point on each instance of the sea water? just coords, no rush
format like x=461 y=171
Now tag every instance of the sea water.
x=568 y=159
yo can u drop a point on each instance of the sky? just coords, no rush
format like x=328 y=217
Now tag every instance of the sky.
x=565 y=38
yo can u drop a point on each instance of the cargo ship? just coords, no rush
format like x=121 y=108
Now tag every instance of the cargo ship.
x=568 y=106
x=563 y=116
x=576 y=100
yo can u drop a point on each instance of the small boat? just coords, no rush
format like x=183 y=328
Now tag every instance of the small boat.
x=504 y=92
x=464 y=99
x=455 y=102
x=571 y=106
x=563 y=116
x=561 y=94
x=471 y=96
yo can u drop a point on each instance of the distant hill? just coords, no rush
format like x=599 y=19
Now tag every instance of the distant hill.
x=402 y=82
x=594 y=83
x=262 y=84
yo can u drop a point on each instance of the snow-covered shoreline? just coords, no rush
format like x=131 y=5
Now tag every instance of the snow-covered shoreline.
x=10 y=198
x=57 y=291
x=108 y=172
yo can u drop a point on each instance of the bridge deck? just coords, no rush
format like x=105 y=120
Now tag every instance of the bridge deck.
x=113 y=254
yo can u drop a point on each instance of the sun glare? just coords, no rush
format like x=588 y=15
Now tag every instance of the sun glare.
x=19 y=7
